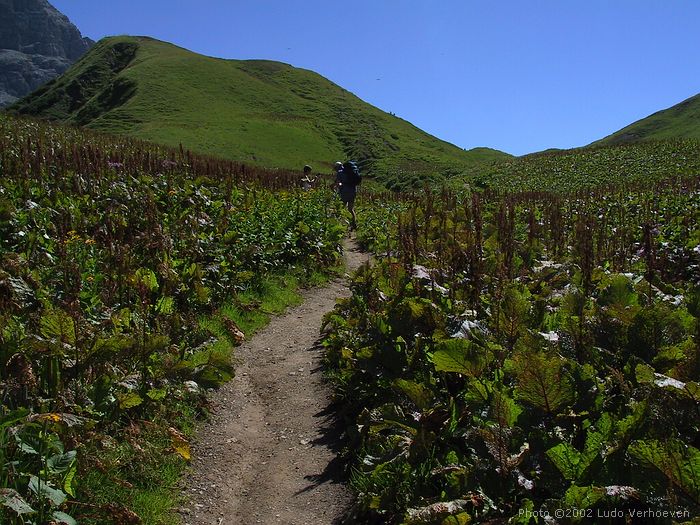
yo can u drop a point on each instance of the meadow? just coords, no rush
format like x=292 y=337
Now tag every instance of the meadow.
x=526 y=346
x=519 y=355
x=128 y=273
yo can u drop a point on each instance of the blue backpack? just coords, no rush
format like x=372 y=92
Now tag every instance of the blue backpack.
x=352 y=172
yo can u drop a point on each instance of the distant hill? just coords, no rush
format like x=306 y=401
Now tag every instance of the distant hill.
x=681 y=121
x=255 y=111
x=641 y=162
x=37 y=43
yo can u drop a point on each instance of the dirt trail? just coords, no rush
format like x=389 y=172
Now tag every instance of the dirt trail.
x=269 y=454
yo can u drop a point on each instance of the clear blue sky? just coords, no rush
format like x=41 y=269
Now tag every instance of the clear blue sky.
x=517 y=75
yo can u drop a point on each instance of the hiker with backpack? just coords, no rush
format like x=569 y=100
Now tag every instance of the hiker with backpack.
x=347 y=178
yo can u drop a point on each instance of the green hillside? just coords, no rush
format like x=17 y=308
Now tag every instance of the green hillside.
x=681 y=121
x=644 y=162
x=262 y=112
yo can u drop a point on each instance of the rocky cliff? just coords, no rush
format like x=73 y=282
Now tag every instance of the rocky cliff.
x=37 y=43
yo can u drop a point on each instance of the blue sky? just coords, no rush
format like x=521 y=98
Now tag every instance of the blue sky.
x=516 y=75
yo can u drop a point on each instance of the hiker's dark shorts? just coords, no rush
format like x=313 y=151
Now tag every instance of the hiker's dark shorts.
x=348 y=197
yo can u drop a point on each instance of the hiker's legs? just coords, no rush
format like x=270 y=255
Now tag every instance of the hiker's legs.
x=351 y=208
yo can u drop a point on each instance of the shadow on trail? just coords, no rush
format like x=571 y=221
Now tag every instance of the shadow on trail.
x=331 y=430
x=331 y=436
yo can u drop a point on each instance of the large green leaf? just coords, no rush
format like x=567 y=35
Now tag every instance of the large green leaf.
x=678 y=461
x=463 y=518
x=60 y=463
x=414 y=315
x=29 y=443
x=583 y=497
x=122 y=320
x=693 y=390
x=572 y=463
x=147 y=278
x=157 y=394
x=524 y=514
x=600 y=434
x=69 y=479
x=628 y=426
x=11 y=499
x=391 y=416
x=57 y=324
x=419 y=394
x=461 y=356
x=44 y=490
x=514 y=311
x=543 y=382
x=478 y=391
x=63 y=518
x=129 y=400
x=618 y=292
x=165 y=305
x=504 y=409
x=644 y=373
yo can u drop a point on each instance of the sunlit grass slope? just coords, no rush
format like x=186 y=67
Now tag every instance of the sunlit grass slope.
x=681 y=121
x=256 y=111
x=643 y=162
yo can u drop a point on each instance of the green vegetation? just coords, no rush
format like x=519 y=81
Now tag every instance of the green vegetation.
x=255 y=111
x=681 y=121
x=589 y=168
x=272 y=295
x=517 y=355
x=125 y=270
x=529 y=340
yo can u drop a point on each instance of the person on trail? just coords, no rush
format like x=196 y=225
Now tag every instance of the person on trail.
x=347 y=178
x=307 y=182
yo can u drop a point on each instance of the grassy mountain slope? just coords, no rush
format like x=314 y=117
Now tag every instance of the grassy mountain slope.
x=257 y=111
x=681 y=121
x=644 y=162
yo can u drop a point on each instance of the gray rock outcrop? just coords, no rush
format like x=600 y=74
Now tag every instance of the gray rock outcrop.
x=37 y=43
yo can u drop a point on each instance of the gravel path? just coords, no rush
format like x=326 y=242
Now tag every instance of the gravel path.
x=269 y=453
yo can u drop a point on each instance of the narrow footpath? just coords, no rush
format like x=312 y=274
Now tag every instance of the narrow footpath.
x=269 y=453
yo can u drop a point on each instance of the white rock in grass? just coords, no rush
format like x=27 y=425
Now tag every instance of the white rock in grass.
x=468 y=328
x=552 y=337
x=663 y=381
x=440 y=289
x=675 y=300
x=621 y=491
x=191 y=386
x=436 y=511
x=547 y=264
x=527 y=484
x=421 y=272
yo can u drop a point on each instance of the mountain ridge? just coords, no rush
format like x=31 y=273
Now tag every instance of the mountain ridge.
x=257 y=111
x=37 y=43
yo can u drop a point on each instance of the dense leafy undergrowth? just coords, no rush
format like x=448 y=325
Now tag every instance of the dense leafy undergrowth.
x=525 y=358
x=126 y=274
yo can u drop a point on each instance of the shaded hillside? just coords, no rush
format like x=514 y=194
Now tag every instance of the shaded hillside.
x=681 y=121
x=37 y=43
x=256 y=111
